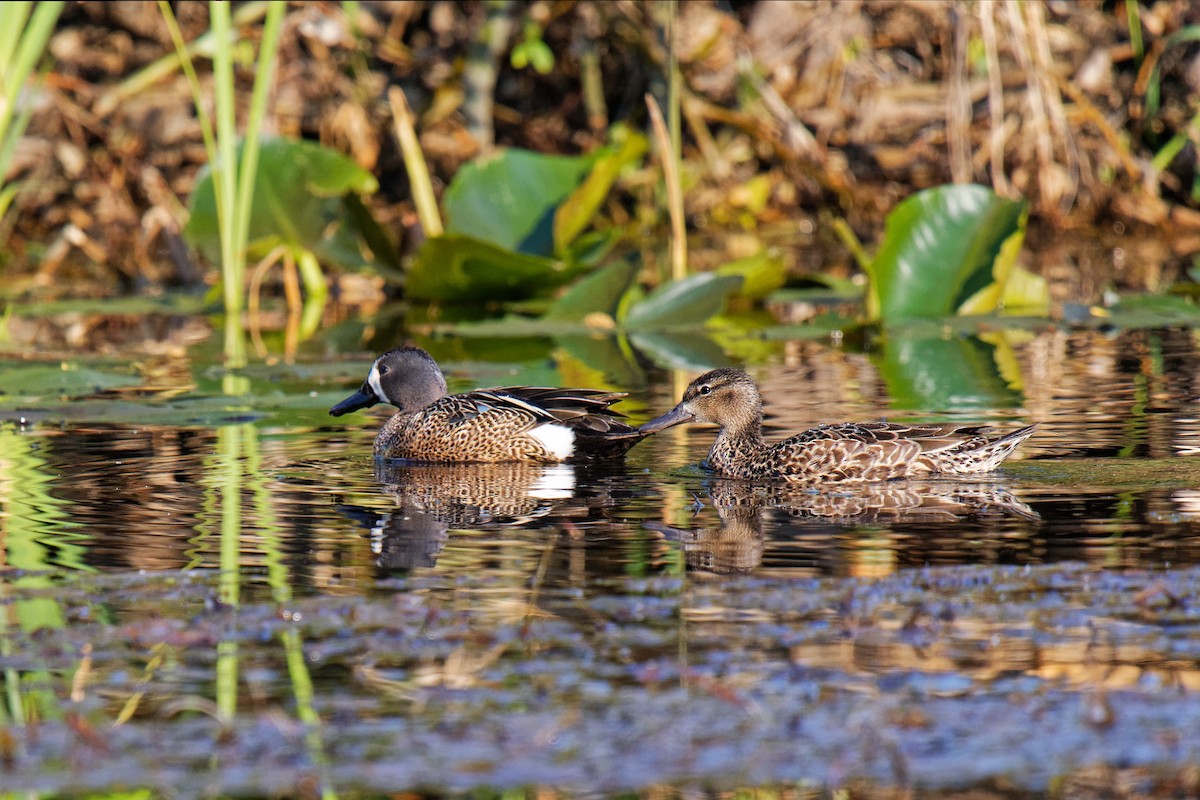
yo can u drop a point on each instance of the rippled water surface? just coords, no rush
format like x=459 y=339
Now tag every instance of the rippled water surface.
x=230 y=596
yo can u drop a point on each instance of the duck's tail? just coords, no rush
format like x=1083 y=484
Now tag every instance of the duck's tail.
x=987 y=455
x=613 y=442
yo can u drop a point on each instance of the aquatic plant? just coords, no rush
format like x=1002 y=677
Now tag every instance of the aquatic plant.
x=517 y=223
x=950 y=250
x=305 y=211
x=23 y=39
x=233 y=177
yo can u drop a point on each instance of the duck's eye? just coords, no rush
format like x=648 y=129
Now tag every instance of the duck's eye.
x=705 y=389
x=383 y=369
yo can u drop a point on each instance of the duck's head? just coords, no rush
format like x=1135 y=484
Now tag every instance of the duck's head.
x=726 y=397
x=406 y=377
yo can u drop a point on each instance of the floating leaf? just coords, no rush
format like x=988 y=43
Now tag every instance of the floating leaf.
x=941 y=246
x=62 y=380
x=687 y=302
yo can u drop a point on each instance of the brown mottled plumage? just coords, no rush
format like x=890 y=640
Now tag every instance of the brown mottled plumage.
x=515 y=423
x=863 y=451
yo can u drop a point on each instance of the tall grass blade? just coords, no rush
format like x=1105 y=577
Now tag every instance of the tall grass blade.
x=233 y=181
x=21 y=45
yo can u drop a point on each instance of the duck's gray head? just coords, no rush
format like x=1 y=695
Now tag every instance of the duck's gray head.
x=406 y=377
x=727 y=397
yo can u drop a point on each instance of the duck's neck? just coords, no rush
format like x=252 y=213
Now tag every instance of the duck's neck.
x=739 y=446
x=419 y=396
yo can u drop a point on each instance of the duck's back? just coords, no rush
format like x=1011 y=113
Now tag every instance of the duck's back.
x=880 y=451
x=533 y=424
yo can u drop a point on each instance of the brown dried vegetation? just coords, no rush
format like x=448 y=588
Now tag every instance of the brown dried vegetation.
x=791 y=111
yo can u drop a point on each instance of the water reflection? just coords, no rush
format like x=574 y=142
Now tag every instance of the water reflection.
x=431 y=499
x=738 y=542
x=307 y=581
x=112 y=497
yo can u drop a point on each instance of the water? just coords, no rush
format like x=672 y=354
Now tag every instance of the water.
x=223 y=597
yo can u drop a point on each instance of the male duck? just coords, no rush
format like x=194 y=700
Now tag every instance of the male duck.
x=865 y=451
x=514 y=423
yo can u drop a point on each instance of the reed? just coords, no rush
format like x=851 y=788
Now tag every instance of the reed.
x=23 y=38
x=233 y=178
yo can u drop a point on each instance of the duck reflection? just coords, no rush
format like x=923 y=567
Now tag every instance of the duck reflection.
x=432 y=499
x=736 y=545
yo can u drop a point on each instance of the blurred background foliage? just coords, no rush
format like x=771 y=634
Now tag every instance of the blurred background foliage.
x=801 y=126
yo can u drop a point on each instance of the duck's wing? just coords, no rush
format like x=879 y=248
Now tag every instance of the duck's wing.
x=882 y=447
x=599 y=430
x=582 y=409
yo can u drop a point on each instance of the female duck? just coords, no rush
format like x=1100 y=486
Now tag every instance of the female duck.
x=865 y=451
x=515 y=423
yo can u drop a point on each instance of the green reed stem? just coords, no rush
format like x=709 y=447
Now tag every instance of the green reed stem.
x=1134 y=22
x=233 y=186
x=21 y=46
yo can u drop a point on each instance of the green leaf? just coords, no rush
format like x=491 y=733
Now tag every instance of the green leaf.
x=510 y=199
x=1188 y=33
x=457 y=267
x=592 y=247
x=761 y=274
x=298 y=202
x=1026 y=293
x=941 y=246
x=578 y=210
x=685 y=303
x=597 y=293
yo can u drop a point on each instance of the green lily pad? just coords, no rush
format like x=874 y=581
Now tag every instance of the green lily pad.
x=1150 y=311
x=63 y=380
x=1108 y=474
x=942 y=246
x=761 y=274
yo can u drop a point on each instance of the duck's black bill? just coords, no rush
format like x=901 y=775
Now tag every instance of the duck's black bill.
x=672 y=417
x=363 y=398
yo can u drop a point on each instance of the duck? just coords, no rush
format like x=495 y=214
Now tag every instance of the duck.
x=504 y=424
x=850 y=451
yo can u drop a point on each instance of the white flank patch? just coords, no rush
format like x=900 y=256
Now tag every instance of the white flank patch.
x=373 y=382
x=555 y=483
x=558 y=439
